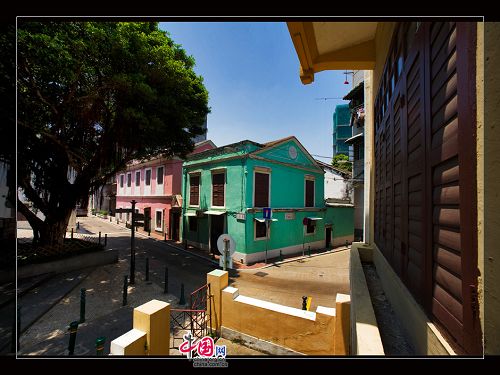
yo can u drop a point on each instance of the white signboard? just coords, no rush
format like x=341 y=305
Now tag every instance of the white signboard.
x=240 y=216
x=231 y=244
x=289 y=215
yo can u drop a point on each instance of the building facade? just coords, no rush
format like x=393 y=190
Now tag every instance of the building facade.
x=341 y=129
x=424 y=179
x=338 y=185
x=357 y=122
x=156 y=187
x=227 y=188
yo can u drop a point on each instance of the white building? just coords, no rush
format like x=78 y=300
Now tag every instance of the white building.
x=337 y=183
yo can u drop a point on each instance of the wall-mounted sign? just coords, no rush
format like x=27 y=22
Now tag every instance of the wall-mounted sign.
x=289 y=215
x=241 y=216
x=267 y=213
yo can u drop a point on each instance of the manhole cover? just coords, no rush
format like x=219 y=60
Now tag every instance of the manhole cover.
x=260 y=274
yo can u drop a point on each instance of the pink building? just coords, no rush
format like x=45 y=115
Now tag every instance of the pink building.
x=156 y=187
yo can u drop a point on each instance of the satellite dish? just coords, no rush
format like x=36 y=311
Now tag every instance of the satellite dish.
x=220 y=244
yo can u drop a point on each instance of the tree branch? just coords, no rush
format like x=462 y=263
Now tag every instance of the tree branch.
x=34 y=220
x=33 y=196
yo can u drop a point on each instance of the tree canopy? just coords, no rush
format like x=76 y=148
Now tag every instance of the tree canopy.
x=341 y=161
x=93 y=96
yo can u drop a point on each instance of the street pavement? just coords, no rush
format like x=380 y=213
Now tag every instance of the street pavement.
x=46 y=323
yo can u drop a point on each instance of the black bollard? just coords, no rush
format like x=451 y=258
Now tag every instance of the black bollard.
x=346 y=243
x=281 y=257
x=149 y=232
x=73 y=328
x=105 y=239
x=82 y=305
x=99 y=346
x=309 y=250
x=165 y=287
x=125 y=290
x=147 y=270
x=304 y=302
x=78 y=225
x=182 y=300
x=99 y=238
x=165 y=237
x=72 y=233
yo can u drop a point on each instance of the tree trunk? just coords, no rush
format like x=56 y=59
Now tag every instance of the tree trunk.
x=53 y=230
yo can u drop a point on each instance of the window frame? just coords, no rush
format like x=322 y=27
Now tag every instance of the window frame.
x=195 y=174
x=313 y=179
x=263 y=171
x=268 y=232
x=214 y=172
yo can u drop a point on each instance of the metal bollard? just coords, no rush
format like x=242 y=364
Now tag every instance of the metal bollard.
x=105 y=239
x=99 y=238
x=125 y=290
x=110 y=219
x=71 y=233
x=78 y=225
x=165 y=287
x=73 y=328
x=149 y=232
x=82 y=305
x=281 y=257
x=304 y=302
x=165 y=237
x=147 y=271
x=309 y=251
x=99 y=346
x=182 y=300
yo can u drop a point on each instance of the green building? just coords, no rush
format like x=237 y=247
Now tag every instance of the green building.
x=342 y=129
x=226 y=189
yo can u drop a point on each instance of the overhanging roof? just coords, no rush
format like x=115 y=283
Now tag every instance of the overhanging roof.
x=333 y=46
x=354 y=139
x=214 y=212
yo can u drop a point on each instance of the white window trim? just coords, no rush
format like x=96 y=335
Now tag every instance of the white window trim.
x=121 y=187
x=264 y=171
x=159 y=188
x=128 y=190
x=199 y=189
x=310 y=234
x=137 y=188
x=217 y=171
x=160 y=229
x=147 y=188
x=309 y=178
x=255 y=232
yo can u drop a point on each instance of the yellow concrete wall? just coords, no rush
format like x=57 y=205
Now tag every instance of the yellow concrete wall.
x=218 y=280
x=311 y=333
x=365 y=334
x=492 y=188
x=153 y=318
x=132 y=343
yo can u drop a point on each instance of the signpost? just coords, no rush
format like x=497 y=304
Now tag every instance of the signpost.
x=226 y=247
x=267 y=214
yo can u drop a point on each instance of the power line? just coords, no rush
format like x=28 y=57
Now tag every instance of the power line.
x=324 y=157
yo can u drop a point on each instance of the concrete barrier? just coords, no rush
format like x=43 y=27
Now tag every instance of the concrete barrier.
x=97 y=258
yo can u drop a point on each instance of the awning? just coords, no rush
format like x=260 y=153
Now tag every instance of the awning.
x=214 y=212
x=354 y=139
x=315 y=218
x=263 y=220
x=355 y=91
x=190 y=214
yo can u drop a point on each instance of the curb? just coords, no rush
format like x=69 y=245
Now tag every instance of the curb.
x=299 y=258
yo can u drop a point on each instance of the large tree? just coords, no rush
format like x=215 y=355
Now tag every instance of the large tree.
x=91 y=97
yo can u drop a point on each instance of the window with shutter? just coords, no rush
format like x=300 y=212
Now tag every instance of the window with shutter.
x=137 y=178
x=218 y=186
x=194 y=190
x=309 y=201
x=425 y=203
x=261 y=189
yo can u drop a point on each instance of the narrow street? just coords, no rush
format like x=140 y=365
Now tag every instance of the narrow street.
x=54 y=302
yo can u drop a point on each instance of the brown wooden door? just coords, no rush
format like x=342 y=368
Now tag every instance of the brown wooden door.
x=425 y=202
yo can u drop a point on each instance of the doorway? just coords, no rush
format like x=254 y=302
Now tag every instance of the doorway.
x=216 y=229
x=147 y=219
x=174 y=225
x=328 y=237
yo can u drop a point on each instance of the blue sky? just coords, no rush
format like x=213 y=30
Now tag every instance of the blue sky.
x=251 y=72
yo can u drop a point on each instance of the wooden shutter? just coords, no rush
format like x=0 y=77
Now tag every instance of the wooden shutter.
x=218 y=180
x=309 y=193
x=425 y=199
x=194 y=190
x=261 y=189
x=260 y=229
